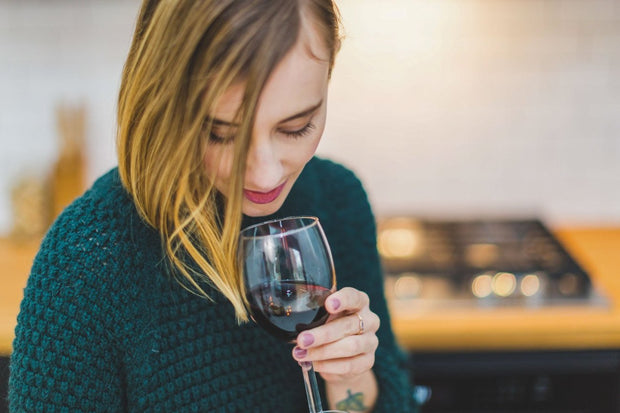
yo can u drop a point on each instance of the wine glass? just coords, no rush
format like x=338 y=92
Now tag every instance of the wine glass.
x=288 y=273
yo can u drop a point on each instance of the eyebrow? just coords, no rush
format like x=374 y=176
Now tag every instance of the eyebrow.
x=303 y=113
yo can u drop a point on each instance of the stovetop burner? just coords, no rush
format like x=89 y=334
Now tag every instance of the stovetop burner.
x=481 y=263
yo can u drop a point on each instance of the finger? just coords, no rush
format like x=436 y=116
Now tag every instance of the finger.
x=337 y=329
x=350 y=346
x=347 y=299
x=346 y=366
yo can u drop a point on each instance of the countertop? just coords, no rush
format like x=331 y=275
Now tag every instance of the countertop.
x=597 y=250
x=574 y=327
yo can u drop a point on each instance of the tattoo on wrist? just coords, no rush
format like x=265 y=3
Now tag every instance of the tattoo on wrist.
x=353 y=403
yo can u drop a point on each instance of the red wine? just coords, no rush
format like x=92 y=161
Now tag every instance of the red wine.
x=285 y=308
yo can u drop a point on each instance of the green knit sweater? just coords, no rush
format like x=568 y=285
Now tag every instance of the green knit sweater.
x=103 y=327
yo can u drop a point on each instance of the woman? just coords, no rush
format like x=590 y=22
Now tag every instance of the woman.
x=134 y=301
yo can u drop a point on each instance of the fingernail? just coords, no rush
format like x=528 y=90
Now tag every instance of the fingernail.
x=300 y=352
x=307 y=340
x=335 y=303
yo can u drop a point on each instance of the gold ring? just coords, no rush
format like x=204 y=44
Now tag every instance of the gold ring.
x=361 y=329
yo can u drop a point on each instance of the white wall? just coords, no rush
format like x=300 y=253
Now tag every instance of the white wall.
x=52 y=52
x=462 y=106
x=443 y=107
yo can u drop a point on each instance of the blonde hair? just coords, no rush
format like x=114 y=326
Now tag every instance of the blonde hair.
x=185 y=54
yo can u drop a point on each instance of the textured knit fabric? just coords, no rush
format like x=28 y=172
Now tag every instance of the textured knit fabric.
x=103 y=327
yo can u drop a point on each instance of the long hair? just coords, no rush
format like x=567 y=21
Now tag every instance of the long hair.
x=184 y=55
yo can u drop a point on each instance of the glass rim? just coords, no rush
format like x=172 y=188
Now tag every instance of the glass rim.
x=315 y=221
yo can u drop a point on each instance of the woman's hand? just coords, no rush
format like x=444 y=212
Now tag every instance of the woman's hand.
x=342 y=349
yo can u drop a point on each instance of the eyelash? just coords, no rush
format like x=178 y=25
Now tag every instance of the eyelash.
x=301 y=132
x=217 y=139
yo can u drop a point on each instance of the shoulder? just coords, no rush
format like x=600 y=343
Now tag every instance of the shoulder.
x=105 y=212
x=94 y=239
x=91 y=264
x=333 y=180
x=329 y=171
x=338 y=194
x=106 y=197
x=105 y=202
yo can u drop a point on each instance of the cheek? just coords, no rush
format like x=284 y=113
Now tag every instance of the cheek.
x=299 y=151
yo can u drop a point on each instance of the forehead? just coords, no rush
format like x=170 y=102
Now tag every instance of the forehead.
x=313 y=38
x=297 y=82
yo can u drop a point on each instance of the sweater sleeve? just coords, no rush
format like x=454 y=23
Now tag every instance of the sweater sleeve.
x=352 y=236
x=61 y=359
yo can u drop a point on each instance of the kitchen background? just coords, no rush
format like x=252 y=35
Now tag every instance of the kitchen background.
x=446 y=109
x=451 y=108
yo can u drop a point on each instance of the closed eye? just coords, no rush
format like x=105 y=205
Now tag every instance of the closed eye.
x=215 y=138
x=218 y=138
x=308 y=127
x=220 y=132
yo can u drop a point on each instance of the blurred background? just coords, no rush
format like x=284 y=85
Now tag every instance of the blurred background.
x=451 y=107
x=487 y=134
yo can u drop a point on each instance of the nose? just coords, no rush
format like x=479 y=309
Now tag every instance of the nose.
x=264 y=169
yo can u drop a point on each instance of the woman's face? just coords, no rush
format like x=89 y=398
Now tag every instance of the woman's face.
x=289 y=122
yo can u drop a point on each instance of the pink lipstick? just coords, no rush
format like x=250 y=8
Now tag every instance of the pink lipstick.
x=263 y=197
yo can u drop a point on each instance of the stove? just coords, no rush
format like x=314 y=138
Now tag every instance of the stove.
x=480 y=263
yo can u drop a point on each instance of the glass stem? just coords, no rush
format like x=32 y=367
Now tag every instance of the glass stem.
x=312 y=388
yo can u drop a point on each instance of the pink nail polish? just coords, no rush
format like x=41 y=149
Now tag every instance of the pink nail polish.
x=300 y=352
x=307 y=339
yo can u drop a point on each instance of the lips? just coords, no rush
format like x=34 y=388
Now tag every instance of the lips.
x=263 y=197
